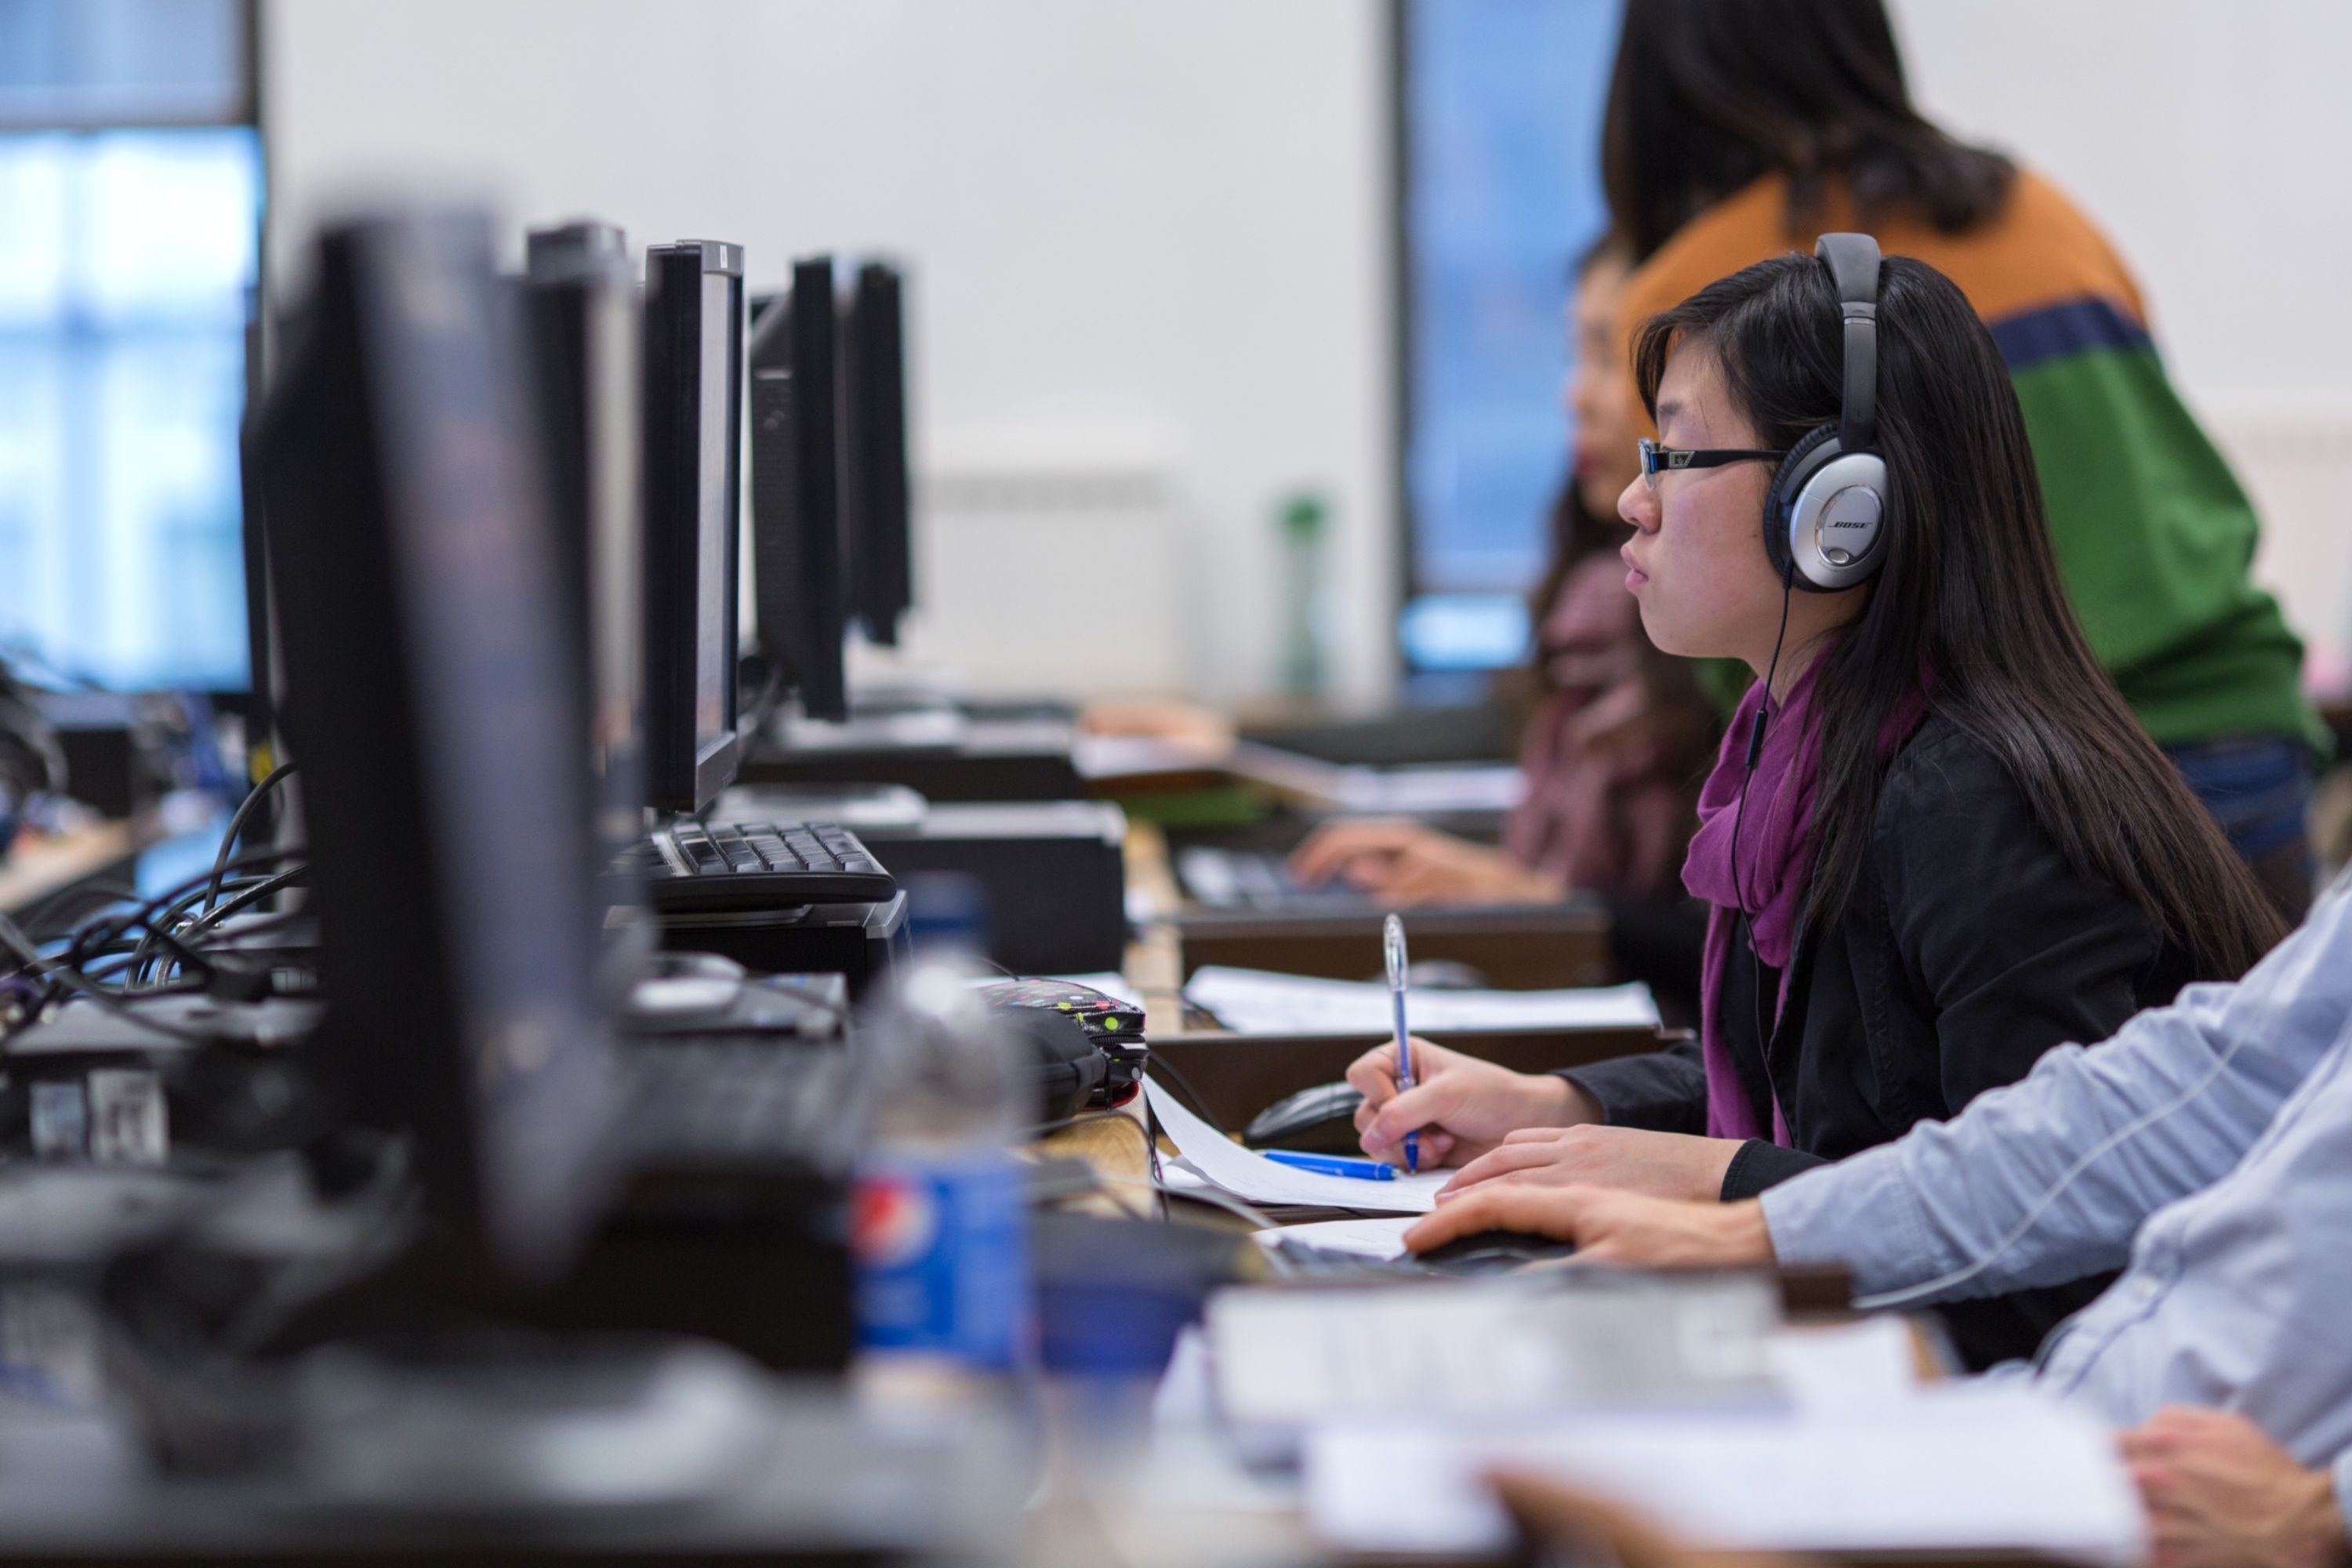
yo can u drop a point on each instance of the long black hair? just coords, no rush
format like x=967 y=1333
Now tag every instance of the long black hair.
x=1707 y=95
x=1967 y=600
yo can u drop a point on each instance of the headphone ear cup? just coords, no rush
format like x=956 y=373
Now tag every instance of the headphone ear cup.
x=1804 y=461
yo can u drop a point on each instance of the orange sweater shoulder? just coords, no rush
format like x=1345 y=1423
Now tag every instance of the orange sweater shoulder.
x=2040 y=250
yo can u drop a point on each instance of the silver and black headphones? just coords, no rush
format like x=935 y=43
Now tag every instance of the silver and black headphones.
x=1825 y=515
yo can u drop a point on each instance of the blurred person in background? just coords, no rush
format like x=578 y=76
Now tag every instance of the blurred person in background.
x=1739 y=130
x=1617 y=736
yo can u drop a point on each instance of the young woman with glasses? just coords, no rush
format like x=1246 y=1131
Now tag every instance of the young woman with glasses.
x=1954 y=847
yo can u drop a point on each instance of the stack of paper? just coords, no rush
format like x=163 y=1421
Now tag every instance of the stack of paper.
x=1228 y=1166
x=1258 y=1001
x=1957 y=1468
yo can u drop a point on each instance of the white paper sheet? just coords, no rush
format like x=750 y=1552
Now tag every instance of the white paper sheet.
x=1357 y=1237
x=1110 y=757
x=1256 y=1001
x=1251 y=1176
x=1423 y=791
x=1955 y=1467
x=1873 y=1361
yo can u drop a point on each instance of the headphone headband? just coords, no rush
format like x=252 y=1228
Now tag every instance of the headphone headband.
x=1852 y=261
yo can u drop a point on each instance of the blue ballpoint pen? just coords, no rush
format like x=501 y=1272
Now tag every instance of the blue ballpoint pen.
x=1332 y=1164
x=1393 y=951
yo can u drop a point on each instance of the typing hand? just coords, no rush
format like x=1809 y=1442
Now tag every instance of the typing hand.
x=1404 y=863
x=1608 y=1226
x=1662 y=1164
x=2220 y=1492
x=1461 y=1107
x=1159 y=718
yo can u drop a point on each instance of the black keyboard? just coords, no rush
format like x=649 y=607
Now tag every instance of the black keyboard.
x=709 y=867
x=1470 y=1257
x=1220 y=878
x=733 y=1102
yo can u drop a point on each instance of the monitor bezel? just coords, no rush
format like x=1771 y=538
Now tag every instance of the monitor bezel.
x=683 y=773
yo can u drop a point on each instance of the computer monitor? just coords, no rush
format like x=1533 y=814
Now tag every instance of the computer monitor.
x=693 y=467
x=873 y=467
x=800 y=577
x=430 y=700
x=580 y=303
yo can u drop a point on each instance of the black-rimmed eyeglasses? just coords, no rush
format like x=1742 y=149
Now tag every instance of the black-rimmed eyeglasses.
x=1656 y=459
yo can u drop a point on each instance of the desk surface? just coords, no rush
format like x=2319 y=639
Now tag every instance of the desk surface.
x=41 y=868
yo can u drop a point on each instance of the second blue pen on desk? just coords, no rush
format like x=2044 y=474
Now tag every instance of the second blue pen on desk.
x=1332 y=1164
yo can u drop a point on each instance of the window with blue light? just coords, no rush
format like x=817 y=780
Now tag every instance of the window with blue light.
x=130 y=226
x=1501 y=104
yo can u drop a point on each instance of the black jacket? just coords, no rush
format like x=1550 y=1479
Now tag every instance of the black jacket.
x=1968 y=948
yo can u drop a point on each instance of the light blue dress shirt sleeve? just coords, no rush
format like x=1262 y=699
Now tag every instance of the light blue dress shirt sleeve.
x=2343 y=1485
x=2211 y=1070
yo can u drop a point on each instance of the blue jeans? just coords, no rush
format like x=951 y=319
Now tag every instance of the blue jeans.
x=2258 y=787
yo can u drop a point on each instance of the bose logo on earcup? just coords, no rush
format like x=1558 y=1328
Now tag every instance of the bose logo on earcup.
x=1854 y=515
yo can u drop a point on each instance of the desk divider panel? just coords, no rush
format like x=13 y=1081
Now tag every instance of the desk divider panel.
x=1518 y=947
x=1229 y=1079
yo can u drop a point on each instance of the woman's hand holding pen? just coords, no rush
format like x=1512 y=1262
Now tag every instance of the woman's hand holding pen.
x=1521 y=1129
x=1461 y=1107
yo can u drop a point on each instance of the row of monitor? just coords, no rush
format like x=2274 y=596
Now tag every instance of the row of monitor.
x=500 y=521
x=826 y=396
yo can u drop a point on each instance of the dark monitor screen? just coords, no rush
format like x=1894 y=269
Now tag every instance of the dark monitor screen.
x=432 y=700
x=693 y=457
x=875 y=485
x=800 y=577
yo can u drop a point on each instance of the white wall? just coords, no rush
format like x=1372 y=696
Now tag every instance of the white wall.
x=1153 y=236
x=2210 y=140
x=1149 y=235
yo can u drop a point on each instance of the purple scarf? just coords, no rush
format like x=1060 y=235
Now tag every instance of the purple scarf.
x=1773 y=871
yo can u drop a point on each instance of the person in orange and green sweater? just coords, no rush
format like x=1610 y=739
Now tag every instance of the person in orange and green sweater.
x=1739 y=130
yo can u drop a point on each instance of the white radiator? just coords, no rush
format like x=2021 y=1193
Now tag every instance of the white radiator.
x=1039 y=576
x=2296 y=461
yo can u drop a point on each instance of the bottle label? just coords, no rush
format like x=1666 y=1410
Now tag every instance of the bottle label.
x=942 y=1256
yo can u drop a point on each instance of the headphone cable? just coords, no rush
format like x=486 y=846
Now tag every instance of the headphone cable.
x=1756 y=745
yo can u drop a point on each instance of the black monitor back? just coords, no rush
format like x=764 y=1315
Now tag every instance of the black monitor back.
x=581 y=302
x=693 y=480
x=431 y=701
x=874 y=468
x=802 y=579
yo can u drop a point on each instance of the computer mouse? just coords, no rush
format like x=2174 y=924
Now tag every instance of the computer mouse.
x=1321 y=1121
x=1494 y=1252
x=683 y=988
